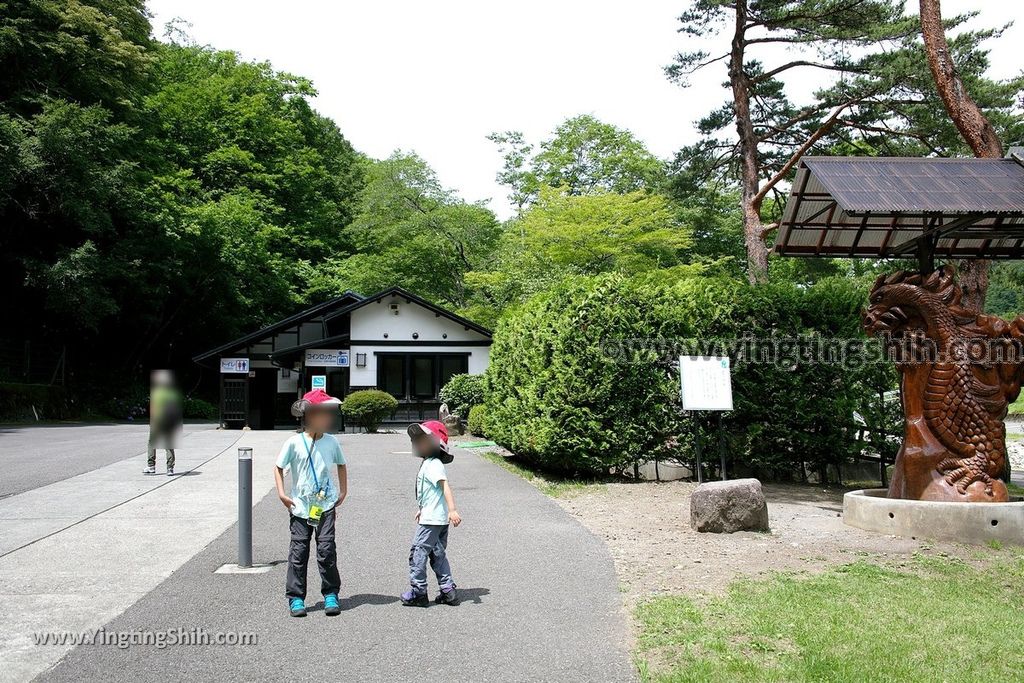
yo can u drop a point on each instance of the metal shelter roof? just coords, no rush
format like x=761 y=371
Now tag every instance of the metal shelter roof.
x=877 y=207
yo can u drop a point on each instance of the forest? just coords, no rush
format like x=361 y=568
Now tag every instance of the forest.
x=158 y=197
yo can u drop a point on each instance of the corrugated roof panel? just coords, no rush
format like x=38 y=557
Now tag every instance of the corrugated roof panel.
x=878 y=207
x=888 y=184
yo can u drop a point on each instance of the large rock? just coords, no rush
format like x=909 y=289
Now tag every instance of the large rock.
x=723 y=507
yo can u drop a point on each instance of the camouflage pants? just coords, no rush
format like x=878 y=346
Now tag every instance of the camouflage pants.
x=152 y=458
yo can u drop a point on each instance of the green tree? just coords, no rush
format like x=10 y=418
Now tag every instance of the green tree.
x=877 y=96
x=411 y=231
x=564 y=235
x=70 y=75
x=583 y=156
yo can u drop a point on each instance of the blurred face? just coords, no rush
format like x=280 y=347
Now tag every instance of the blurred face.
x=320 y=419
x=424 y=446
x=161 y=378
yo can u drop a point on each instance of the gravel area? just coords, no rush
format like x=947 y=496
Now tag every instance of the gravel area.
x=1016 y=452
x=646 y=526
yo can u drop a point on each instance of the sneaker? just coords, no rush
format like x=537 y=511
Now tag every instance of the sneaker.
x=170 y=471
x=447 y=597
x=149 y=470
x=414 y=599
x=297 y=607
x=331 y=606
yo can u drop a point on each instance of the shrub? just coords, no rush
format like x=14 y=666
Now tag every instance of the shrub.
x=198 y=409
x=585 y=378
x=17 y=401
x=130 y=402
x=462 y=392
x=368 y=408
x=477 y=420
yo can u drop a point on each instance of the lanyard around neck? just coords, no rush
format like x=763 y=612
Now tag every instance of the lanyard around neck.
x=309 y=450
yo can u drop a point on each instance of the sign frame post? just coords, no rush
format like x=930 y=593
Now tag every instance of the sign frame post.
x=705 y=384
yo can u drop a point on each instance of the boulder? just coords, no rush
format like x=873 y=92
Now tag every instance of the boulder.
x=723 y=507
x=453 y=423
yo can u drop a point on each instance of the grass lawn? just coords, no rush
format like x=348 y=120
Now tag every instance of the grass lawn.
x=554 y=486
x=933 y=619
x=1017 y=407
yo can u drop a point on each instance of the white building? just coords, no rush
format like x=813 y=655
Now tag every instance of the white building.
x=393 y=340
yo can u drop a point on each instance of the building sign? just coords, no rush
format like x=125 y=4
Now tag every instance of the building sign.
x=706 y=383
x=320 y=381
x=234 y=365
x=329 y=358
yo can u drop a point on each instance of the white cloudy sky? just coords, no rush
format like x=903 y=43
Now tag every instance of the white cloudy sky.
x=437 y=77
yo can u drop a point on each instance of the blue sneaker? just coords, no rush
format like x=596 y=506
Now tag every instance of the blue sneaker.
x=297 y=606
x=411 y=598
x=331 y=606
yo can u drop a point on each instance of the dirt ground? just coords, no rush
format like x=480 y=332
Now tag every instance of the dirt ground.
x=646 y=526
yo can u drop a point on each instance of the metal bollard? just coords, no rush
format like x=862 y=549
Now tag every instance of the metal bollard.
x=244 y=506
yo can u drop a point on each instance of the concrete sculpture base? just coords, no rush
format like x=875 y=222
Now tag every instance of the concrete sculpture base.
x=963 y=522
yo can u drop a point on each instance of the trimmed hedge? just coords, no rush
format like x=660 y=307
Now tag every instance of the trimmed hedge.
x=462 y=392
x=368 y=408
x=569 y=388
x=476 y=423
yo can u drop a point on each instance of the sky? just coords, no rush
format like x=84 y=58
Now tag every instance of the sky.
x=438 y=77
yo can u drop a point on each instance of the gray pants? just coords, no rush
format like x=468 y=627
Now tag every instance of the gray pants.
x=151 y=461
x=430 y=543
x=298 y=555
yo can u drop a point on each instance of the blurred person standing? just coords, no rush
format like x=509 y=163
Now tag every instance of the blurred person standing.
x=165 y=415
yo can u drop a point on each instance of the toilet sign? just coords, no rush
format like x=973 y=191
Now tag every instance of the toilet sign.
x=319 y=381
x=705 y=382
x=234 y=366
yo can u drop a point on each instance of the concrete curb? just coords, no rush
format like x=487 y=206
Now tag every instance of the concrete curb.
x=976 y=523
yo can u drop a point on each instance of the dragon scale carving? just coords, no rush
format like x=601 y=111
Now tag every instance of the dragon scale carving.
x=960 y=369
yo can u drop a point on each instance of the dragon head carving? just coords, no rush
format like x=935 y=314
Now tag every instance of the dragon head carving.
x=912 y=303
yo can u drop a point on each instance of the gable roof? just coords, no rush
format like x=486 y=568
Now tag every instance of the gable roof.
x=328 y=310
x=306 y=315
x=409 y=296
x=876 y=207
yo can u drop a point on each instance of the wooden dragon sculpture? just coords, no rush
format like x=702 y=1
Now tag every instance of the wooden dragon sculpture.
x=960 y=369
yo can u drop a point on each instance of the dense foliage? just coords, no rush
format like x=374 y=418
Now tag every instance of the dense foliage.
x=584 y=378
x=368 y=408
x=156 y=198
x=462 y=392
x=477 y=421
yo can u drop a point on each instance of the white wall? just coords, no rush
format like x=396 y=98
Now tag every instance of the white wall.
x=287 y=385
x=373 y=320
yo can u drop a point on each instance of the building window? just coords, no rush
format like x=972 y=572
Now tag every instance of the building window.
x=423 y=377
x=418 y=376
x=391 y=375
x=452 y=365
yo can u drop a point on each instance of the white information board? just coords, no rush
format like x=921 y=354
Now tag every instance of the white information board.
x=319 y=381
x=320 y=358
x=234 y=365
x=705 y=382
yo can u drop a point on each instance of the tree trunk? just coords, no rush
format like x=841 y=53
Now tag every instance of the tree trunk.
x=974 y=127
x=750 y=202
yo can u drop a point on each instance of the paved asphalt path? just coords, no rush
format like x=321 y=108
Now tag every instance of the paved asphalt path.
x=34 y=456
x=540 y=597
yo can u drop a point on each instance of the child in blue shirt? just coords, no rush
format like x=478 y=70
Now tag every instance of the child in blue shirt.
x=436 y=505
x=313 y=499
